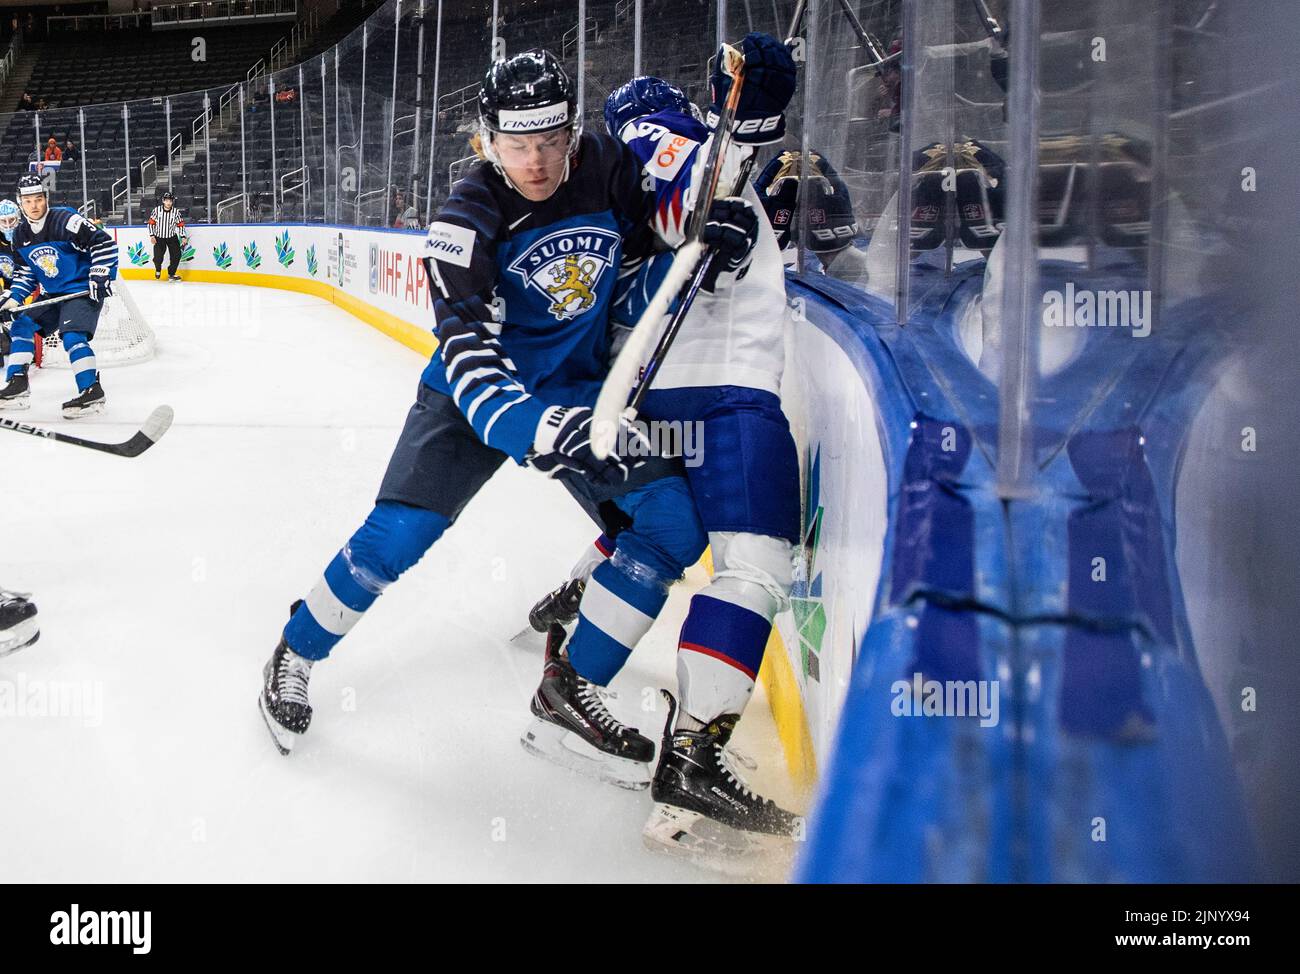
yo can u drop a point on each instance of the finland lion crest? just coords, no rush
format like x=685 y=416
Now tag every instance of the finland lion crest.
x=566 y=266
x=47 y=259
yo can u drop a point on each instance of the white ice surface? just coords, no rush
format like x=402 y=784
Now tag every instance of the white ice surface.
x=163 y=583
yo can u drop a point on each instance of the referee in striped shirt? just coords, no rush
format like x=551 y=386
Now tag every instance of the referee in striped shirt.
x=166 y=230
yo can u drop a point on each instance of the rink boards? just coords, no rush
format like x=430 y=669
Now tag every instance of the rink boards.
x=911 y=567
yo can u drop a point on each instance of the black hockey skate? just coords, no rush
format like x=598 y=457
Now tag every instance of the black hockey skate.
x=283 y=701
x=703 y=810
x=573 y=728
x=17 y=393
x=19 y=627
x=558 y=607
x=87 y=403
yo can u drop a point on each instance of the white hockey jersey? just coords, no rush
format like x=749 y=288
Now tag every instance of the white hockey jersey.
x=736 y=336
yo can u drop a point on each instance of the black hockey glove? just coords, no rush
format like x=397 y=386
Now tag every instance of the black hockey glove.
x=563 y=442
x=731 y=231
x=770 y=78
x=100 y=284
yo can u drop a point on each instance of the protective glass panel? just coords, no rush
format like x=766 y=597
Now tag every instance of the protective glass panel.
x=259 y=168
x=838 y=188
x=60 y=168
x=287 y=140
x=466 y=28
x=374 y=198
x=104 y=159
x=352 y=67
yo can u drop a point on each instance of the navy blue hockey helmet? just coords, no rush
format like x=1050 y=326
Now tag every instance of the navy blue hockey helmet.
x=643 y=96
x=31 y=184
x=527 y=94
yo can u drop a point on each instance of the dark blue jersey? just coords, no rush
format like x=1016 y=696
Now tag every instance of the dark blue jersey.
x=532 y=285
x=59 y=257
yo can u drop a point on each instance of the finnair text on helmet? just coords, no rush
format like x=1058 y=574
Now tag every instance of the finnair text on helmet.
x=533 y=119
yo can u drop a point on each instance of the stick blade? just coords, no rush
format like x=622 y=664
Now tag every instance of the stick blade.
x=158 y=423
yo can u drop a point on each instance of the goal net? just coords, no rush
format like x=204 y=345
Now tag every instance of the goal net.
x=122 y=337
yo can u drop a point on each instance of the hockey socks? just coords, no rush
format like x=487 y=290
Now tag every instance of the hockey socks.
x=393 y=538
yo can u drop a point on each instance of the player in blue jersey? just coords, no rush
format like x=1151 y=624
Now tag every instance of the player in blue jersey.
x=62 y=254
x=722 y=374
x=523 y=259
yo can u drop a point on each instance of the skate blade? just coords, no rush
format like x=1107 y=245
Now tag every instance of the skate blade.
x=16 y=404
x=94 y=409
x=676 y=831
x=20 y=636
x=562 y=747
x=284 y=740
x=529 y=638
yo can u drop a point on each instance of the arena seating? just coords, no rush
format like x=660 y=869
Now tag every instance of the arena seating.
x=99 y=72
x=92 y=68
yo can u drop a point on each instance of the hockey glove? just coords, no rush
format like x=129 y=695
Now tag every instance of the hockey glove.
x=770 y=78
x=731 y=231
x=563 y=442
x=100 y=284
x=9 y=310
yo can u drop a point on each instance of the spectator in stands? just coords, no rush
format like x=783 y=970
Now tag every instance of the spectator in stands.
x=41 y=104
x=26 y=104
x=52 y=151
x=70 y=151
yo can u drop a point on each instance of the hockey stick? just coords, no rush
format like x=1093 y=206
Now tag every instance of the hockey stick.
x=24 y=308
x=55 y=300
x=677 y=280
x=990 y=23
x=690 y=263
x=150 y=433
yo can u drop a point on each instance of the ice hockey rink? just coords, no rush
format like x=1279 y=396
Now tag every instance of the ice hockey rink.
x=131 y=747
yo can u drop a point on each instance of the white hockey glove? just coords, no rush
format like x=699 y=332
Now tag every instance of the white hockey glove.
x=100 y=284
x=9 y=310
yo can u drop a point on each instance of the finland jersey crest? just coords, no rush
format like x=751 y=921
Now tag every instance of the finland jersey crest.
x=46 y=259
x=7 y=266
x=566 y=266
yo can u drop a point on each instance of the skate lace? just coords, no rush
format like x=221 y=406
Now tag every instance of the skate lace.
x=294 y=672
x=590 y=696
x=737 y=783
